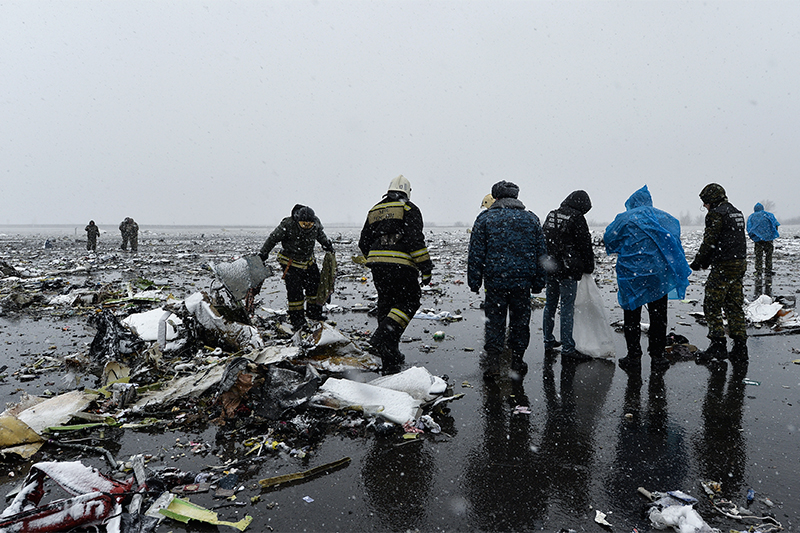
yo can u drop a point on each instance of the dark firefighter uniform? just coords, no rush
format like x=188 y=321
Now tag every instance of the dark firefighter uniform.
x=297 y=235
x=394 y=246
x=724 y=249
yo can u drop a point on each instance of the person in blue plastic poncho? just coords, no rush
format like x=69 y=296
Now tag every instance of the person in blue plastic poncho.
x=650 y=263
x=762 y=227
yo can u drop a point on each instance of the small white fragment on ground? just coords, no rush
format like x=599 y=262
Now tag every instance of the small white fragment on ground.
x=600 y=518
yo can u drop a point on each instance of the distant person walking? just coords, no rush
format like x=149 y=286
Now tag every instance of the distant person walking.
x=92 y=233
x=762 y=227
x=506 y=248
x=130 y=233
x=724 y=249
x=297 y=235
x=650 y=263
x=393 y=243
x=570 y=255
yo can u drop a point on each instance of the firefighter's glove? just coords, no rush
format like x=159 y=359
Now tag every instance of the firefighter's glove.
x=426 y=279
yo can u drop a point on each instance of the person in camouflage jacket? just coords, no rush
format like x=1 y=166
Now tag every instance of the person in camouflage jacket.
x=724 y=249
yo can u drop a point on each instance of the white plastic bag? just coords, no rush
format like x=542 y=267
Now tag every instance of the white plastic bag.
x=682 y=518
x=591 y=331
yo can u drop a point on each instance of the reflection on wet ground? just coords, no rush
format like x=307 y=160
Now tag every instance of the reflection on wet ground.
x=590 y=437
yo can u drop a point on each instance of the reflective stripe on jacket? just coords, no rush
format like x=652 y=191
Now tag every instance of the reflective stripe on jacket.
x=393 y=234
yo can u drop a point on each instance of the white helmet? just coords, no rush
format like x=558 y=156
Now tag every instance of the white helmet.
x=401 y=184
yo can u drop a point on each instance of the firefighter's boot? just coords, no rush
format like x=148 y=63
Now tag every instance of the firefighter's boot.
x=297 y=319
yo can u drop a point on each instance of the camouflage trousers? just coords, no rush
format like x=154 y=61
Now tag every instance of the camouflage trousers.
x=725 y=291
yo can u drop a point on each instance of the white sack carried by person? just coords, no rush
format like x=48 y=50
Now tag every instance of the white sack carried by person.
x=591 y=330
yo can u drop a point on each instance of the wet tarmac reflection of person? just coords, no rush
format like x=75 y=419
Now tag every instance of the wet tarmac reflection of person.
x=504 y=488
x=721 y=449
x=398 y=480
x=568 y=445
x=650 y=451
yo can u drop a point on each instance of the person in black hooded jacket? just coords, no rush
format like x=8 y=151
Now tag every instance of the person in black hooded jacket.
x=570 y=255
x=297 y=235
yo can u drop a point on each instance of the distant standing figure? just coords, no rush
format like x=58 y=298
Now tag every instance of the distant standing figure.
x=297 y=235
x=92 y=233
x=570 y=255
x=130 y=233
x=650 y=263
x=763 y=229
x=724 y=249
x=506 y=248
x=393 y=242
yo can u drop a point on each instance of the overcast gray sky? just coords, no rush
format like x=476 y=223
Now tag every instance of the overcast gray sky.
x=229 y=113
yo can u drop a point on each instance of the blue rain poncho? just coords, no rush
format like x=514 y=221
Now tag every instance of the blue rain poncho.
x=650 y=260
x=761 y=225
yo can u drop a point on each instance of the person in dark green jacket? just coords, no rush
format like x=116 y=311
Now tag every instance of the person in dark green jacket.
x=724 y=249
x=297 y=235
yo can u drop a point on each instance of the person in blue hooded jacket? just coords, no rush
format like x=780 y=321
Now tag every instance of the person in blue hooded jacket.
x=505 y=252
x=650 y=263
x=762 y=227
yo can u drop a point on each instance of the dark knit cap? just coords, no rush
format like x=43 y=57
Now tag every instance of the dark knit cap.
x=505 y=189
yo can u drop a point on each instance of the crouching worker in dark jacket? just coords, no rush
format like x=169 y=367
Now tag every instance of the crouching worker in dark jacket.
x=394 y=245
x=297 y=235
x=505 y=251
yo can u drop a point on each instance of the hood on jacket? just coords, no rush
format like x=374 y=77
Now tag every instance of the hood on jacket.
x=505 y=189
x=713 y=194
x=639 y=198
x=303 y=213
x=578 y=200
x=758 y=207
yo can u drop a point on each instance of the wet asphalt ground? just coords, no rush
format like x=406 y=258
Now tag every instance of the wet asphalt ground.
x=594 y=434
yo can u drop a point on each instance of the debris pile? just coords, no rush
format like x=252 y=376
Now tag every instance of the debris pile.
x=158 y=362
